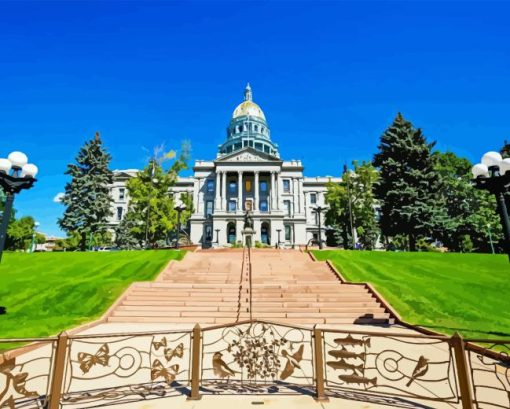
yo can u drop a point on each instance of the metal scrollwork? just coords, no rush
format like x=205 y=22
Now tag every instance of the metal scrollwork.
x=490 y=374
x=247 y=356
x=24 y=380
x=152 y=366
x=411 y=367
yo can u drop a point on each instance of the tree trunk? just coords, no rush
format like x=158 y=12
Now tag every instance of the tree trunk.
x=83 y=243
x=412 y=243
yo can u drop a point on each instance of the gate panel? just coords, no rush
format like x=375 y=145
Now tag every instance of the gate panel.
x=25 y=379
x=406 y=366
x=256 y=357
x=490 y=374
x=119 y=369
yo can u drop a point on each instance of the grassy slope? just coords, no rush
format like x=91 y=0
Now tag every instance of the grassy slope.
x=45 y=293
x=469 y=293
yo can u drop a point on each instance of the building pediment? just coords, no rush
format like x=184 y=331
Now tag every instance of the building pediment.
x=248 y=155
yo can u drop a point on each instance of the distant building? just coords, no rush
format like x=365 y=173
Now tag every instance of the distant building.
x=247 y=168
x=49 y=244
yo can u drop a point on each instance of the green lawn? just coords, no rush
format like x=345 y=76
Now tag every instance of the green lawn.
x=469 y=293
x=45 y=293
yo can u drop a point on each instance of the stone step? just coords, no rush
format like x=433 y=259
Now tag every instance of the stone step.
x=206 y=309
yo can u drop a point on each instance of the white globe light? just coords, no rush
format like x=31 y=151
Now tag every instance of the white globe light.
x=504 y=166
x=29 y=170
x=480 y=170
x=18 y=159
x=491 y=159
x=5 y=165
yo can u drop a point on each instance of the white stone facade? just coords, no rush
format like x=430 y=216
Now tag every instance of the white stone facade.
x=247 y=169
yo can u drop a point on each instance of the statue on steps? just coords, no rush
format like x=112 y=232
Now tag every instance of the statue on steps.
x=248 y=220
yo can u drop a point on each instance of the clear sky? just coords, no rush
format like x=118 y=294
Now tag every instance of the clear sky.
x=329 y=76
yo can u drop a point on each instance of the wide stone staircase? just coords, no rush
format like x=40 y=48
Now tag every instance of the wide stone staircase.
x=212 y=287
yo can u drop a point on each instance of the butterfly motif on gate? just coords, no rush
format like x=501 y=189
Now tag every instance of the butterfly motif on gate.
x=101 y=357
x=159 y=370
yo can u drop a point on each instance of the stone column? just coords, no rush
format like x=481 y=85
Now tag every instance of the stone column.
x=240 y=191
x=273 y=191
x=301 y=197
x=279 y=190
x=201 y=196
x=256 y=204
x=217 y=200
x=224 y=191
x=295 y=205
x=196 y=192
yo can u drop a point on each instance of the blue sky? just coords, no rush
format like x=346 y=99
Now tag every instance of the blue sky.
x=329 y=76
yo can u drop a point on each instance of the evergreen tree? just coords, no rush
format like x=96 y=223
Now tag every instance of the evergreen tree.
x=408 y=184
x=87 y=198
x=124 y=237
x=505 y=150
x=356 y=187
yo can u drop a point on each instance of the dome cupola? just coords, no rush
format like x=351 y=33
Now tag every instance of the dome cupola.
x=248 y=128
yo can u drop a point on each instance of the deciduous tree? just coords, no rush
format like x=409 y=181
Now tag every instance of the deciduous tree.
x=20 y=233
x=471 y=213
x=151 y=215
x=356 y=187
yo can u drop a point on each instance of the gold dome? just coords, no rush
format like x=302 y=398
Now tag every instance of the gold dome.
x=248 y=108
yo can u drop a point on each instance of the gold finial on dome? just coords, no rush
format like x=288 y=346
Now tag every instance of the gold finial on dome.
x=248 y=96
x=248 y=107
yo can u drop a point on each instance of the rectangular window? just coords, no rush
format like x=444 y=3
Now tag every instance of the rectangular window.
x=247 y=186
x=313 y=198
x=232 y=187
x=232 y=206
x=263 y=205
x=209 y=208
x=210 y=185
x=286 y=185
x=263 y=187
x=122 y=194
x=286 y=207
x=119 y=213
x=287 y=232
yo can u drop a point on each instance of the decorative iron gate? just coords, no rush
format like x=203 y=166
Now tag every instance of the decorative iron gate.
x=255 y=357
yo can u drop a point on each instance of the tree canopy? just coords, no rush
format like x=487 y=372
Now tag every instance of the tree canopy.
x=87 y=197
x=407 y=186
x=356 y=187
x=151 y=216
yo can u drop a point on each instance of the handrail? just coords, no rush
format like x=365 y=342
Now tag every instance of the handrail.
x=250 y=282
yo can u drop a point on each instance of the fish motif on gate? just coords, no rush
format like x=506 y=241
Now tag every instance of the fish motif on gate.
x=349 y=361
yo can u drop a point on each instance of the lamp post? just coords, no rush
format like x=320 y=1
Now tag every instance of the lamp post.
x=493 y=174
x=15 y=175
x=179 y=208
x=348 y=180
x=32 y=245
x=319 y=210
x=217 y=236
x=278 y=243
x=490 y=238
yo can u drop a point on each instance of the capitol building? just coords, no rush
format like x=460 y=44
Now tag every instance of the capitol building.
x=246 y=173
